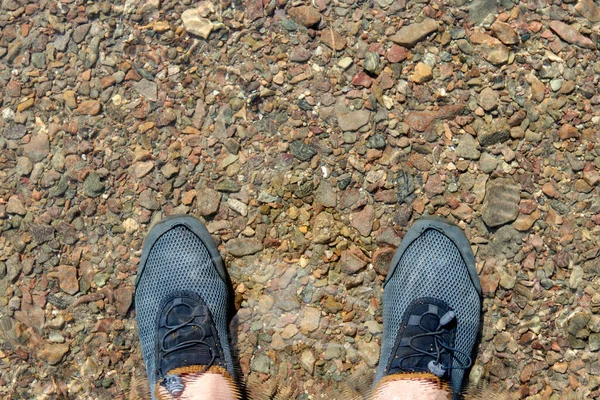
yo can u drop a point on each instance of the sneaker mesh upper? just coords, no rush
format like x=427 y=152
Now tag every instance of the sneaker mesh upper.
x=178 y=261
x=431 y=266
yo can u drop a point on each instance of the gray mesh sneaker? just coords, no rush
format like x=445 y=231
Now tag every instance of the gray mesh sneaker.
x=183 y=303
x=431 y=304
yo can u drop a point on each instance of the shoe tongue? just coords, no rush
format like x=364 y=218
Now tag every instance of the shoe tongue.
x=422 y=318
x=187 y=335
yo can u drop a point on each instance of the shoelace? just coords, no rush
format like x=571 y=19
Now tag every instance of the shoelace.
x=435 y=366
x=174 y=383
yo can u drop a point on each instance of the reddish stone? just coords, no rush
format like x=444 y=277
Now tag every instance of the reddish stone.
x=381 y=259
x=568 y=131
x=362 y=79
x=420 y=120
x=385 y=81
x=396 y=53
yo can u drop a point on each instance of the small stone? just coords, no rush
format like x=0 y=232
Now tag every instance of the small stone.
x=237 y=206
x=350 y=120
x=169 y=170
x=362 y=79
x=480 y=9
x=501 y=204
x=148 y=200
x=570 y=35
x=333 y=39
x=324 y=229
x=330 y=305
x=372 y=63
x=568 y=131
x=410 y=35
x=495 y=132
x=422 y=73
x=265 y=303
x=363 y=221
x=25 y=105
x=207 y=201
x=261 y=363
x=24 y=166
x=538 y=89
x=70 y=99
x=594 y=341
x=15 y=206
x=307 y=360
x=467 y=147
x=345 y=63
x=505 y=33
x=141 y=169
x=525 y=221
x=131 y=225
x=310 y=321
x=353 y=260
x=93 y=185
x=497 y=55
x=194 y=23
x=381 y=259
x=289 y=331
x=243 y=247
x=147 y=89
x=488 y=163
x=396 y=54
x=300 y=54
x=123 y=299
x=589 y=10
x=38 y=147
x=488 y=99
x=302 y=151
x=89 y=107
x=67 y=279
x=305 y=15
x=53 y=353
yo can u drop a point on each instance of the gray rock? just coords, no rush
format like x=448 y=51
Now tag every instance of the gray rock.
x=496 y=132
x=324 y=228
x=208 y=201
x=302 y=151
x=501 y=203
x=13 y=268
x=488 y=99
x=594 y=341
x=93 y=185
x=61 y=42
x=480 y=9
x=376 y=141
x=261 y=363
x=38 y=60
x=38 y=147
x=467 y=147
x=243 y=246
x=80 y=32
x=14 y=131
x=325 y=194
x=147 y=89
x=406 y=187
x=488 y=162
x=300 y=55
x=148 y=200
x=372 y=63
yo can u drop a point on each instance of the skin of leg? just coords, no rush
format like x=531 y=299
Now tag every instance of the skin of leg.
x=205 y=386
x=408 y=389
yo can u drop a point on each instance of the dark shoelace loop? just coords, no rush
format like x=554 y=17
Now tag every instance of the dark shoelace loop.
x=435 y=366
x=173 y=385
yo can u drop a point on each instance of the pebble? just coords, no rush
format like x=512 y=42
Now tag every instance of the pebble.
x=195 y=24
x=38 y=147
x=372 y=63
x=488 y=163
x=207 y=201
x=412 y=34
x=422 y=73
x=147 y=89
x=505 y=33
x=307 y=360
x=468 y=147
x=363 y=220
x=89 y=107
x=589 y=10
x=310 y=321
x=570 y=35
x=53 y=353
x=15 y=206
x=243 y=246
x=334 y=40
x=93 y=185
x=501 y=204
x=302 y=151
x=123 y=299
x=305 y=15
x=345 y=63
x=353 y=260
x=237 y=206
x=488 y=99
x=324 y=228
x=351 y=120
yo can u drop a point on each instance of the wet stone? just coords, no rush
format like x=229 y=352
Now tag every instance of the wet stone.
x=93 y=185
x=467 y=147
x=53 y=353
x=501 y=204
x=302 y=151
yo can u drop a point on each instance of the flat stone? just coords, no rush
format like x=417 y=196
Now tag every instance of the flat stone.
x=488 y=99
x=589 y=10
x=302 y=151
x=422 y=73
x=13 y=131
x=243 y=246
x=307 y=360
x=480 y=9
x=333 y=39
x=123 y=299
x=38 y=147
x=207 y=201
x=324 y=228
x=372 y=63
x=362 y=79
x=501 y=203
x=353 y=260
x=496 y=132
x=568 y=131
x=396 y=53
x=141 y=169
x=412 y=34
x=467 y=147
x=571 y=35
x=147 y=89
x=310 y=321
x=421 y=120
x=195 y=24
x=350 y=120
x=505 y=33
x=148 y=200
x=15 y=206
x=305 y=15
x=363 y=220
x=89 y=107
x=488 y=162
x=300 y=54
x=325 y=194
x=93 y=185
x=53 y=353
x=67 y=279
x=261 y=363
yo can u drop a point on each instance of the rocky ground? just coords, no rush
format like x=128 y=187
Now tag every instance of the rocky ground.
x=308 y=136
